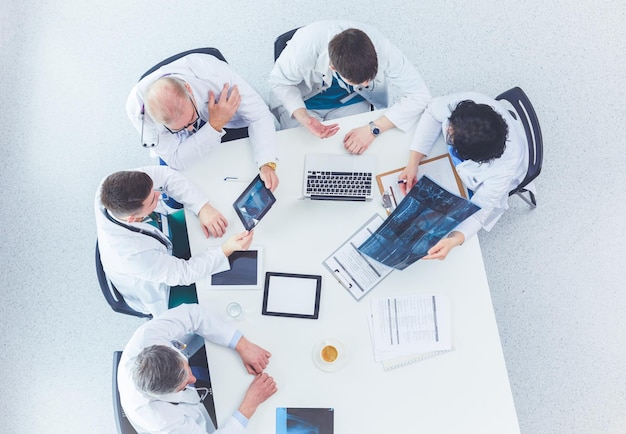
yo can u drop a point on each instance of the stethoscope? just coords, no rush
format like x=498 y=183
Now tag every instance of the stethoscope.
x=142 y=115
x=166 y=243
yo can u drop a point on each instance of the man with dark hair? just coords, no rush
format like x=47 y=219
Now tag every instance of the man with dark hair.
x=155 y=380
x=332 y=69
x=487 y=146
x=134 y=237
x=184 y=109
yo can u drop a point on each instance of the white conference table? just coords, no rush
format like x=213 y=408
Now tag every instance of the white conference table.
x=464 y=391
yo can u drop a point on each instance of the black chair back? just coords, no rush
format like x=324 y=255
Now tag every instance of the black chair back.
x=208 y=50
x=281 y=42
x=121 y=421
x=110 y=292
x=526 y=113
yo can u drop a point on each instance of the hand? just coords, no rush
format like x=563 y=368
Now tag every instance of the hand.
x=212 y=221
x=313 y=125
x=237 y=242
x=358 y=140
x=221 y=112
x=254 y=358
x=320 y=130
x=409 y=174
x=269 y=177
x=262 y=387
x=445 y=245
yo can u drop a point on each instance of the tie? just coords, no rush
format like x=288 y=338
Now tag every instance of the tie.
x=154 y=219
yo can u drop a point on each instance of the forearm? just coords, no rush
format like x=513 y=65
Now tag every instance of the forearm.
x=384 y=124
x=415 y=158
x=302 y=116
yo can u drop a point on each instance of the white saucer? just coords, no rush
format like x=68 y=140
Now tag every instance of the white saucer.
x=342 y=357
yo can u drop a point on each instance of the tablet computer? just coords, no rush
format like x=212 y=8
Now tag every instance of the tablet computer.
x=245 y=271
x=292 y=295
x=255 y=201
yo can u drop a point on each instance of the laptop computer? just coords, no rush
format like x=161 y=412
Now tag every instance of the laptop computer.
x=338 y=177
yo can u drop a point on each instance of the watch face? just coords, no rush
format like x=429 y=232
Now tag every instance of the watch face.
x=375 y=130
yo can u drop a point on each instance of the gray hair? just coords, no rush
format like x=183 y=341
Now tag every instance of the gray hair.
x=165 y=98
x=159 y=370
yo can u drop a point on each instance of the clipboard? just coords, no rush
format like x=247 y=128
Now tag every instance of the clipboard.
x=440 y=169
x=356 y=272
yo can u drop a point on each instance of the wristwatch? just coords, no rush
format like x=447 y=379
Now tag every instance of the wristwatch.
x=270 y=164
x=374 y=129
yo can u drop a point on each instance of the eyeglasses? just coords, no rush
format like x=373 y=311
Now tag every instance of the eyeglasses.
x=203 y=392
x=192 y=123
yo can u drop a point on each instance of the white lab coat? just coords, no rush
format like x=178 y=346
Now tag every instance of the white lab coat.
x=204 y=73
x=159 y=415
x=141 y=267
x=303 y=71
x=490 y=182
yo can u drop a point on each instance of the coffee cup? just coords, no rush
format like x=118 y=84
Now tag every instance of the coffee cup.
x=329 y=353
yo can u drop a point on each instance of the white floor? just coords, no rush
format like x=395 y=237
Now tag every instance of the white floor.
x=556 y=273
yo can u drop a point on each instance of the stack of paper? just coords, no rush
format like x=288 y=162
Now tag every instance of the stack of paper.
x=406 y=329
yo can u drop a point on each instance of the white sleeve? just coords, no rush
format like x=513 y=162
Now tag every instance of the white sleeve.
x=414 y=94
x=178 y=186
x=252 y=109
x=184 y=319
x=159 y=266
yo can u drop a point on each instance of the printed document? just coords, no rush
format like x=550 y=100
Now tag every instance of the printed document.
x=355 y=271
x=410 y=324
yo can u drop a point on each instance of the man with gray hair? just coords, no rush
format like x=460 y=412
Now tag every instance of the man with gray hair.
x=155 y=380
x=184 y=109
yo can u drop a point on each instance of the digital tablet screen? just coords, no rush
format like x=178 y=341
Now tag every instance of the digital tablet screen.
x=255 y=201
x=292 y=295
x=244 y=273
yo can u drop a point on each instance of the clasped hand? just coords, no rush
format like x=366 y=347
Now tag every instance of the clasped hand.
x=212 y=221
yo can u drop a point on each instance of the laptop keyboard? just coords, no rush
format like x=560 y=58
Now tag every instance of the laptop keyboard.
x=351 y=184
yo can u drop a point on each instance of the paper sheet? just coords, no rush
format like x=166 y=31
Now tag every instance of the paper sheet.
x=410 y=324
x=355 y=271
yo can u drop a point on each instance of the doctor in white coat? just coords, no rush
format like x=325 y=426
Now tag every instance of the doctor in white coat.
x=182 y=108
x=136 y=255
x=155 y=380
x=353 y=62
x=490 y=153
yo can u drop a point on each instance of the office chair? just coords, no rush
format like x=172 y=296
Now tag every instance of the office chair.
x=110 y=292
x=121 y=421
x=526 y=113
x=281 y=42
x=208 y=50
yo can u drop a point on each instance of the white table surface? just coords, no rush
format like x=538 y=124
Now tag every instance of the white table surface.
x=463 y=391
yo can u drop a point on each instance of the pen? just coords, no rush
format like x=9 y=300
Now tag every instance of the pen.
x=231 y=178
x=401 y=181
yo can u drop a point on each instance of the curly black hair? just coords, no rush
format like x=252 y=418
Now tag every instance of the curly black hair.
x=477 y=132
